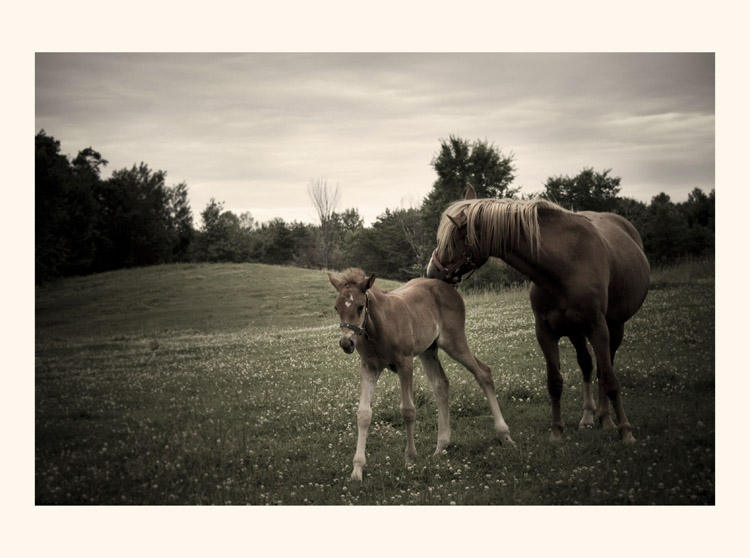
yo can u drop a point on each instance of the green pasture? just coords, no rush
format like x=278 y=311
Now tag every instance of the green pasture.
x=224 y=384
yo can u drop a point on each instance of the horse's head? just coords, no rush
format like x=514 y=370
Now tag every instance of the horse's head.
x=352 y=305
x=453 y=257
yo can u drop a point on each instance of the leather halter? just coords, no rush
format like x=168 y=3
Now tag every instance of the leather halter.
x=447 y=273
x=360 y=330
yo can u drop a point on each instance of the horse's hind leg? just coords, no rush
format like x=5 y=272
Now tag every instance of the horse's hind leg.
x=609 y=387
x=587 y=367
x=616 y=333
x=458 y=349
x=440 y=386
x=405 y=372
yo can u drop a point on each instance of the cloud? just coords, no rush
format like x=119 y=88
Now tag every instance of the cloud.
x=237 y=126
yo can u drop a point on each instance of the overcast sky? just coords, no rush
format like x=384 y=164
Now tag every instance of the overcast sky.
x=253 y=130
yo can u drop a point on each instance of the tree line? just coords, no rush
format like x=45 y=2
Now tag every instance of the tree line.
x=86 y=224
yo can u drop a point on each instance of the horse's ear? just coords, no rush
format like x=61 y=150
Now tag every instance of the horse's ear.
x=459 y=220
x=366 y=285
x=335 y=282
x=471 y=193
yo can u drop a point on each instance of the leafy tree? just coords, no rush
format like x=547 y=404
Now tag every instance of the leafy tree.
x=665 y=232
x=277 y=244
x=182 y=220
x=135 y=220
x=65 y=209
x=53 y=179
x=222 y=237
x=384 y=248
x=459 y=163
x=587 y=191
x=634 y=211
x=699 y=212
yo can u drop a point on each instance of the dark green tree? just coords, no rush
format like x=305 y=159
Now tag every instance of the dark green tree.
x=135 y=221
x=634 y=211
x=182 y=221
x=65 y=210
x=587 y=191
x=277 y=242
x=221 y=238
x=384 y=248
x=699 y=212
x=666 y=231
x=460 y=162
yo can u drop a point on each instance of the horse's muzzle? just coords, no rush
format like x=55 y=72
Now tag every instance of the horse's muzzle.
x=347 y=344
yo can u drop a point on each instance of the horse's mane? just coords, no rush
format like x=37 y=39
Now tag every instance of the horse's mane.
x=494 y=226
x=353 y=276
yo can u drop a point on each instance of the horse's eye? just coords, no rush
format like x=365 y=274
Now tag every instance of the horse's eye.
x=360 y=308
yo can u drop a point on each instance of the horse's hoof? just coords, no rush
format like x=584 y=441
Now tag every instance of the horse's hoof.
x=357 y=475
x=507 y=441
x=555 y=437
x=607 y=422
x=627 y=437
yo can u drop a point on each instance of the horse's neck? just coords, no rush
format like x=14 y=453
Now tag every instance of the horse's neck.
x=538 y=267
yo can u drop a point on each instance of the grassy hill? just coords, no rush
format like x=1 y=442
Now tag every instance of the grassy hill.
x=185 y=297
x=219 y=384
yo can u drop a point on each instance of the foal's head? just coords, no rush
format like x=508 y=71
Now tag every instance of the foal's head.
x=352 y=305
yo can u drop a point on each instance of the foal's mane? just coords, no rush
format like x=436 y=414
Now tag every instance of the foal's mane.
x=494 y=226
x=353 y=276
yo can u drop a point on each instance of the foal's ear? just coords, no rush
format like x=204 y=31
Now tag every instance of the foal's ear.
x=471 y=193
x=335 y=282
x=366 y=285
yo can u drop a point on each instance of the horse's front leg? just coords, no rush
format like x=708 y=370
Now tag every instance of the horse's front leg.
x=368 y=378
x=548 y=342
x=408 y=411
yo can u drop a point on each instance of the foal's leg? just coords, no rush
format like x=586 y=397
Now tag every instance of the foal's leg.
x=408 y=411
x=587 y=367
x=458 y=349
x=440 y=385
x=368 y=378
x=549 y=345
x=609 y=387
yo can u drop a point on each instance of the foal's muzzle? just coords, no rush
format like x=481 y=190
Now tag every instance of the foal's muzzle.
x=347 y=344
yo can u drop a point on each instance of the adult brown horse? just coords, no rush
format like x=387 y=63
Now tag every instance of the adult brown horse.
x=588 y=272
x=388 y=329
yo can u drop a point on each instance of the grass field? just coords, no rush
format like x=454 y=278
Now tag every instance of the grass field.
x=224 y=384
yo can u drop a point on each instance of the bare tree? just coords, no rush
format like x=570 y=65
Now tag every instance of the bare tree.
x=325 y=200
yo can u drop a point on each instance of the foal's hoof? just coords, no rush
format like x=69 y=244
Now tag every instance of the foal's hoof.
x=607 y=422
x=586 y=422
x=506 y=440
x=357 y=475
x=555 y=436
